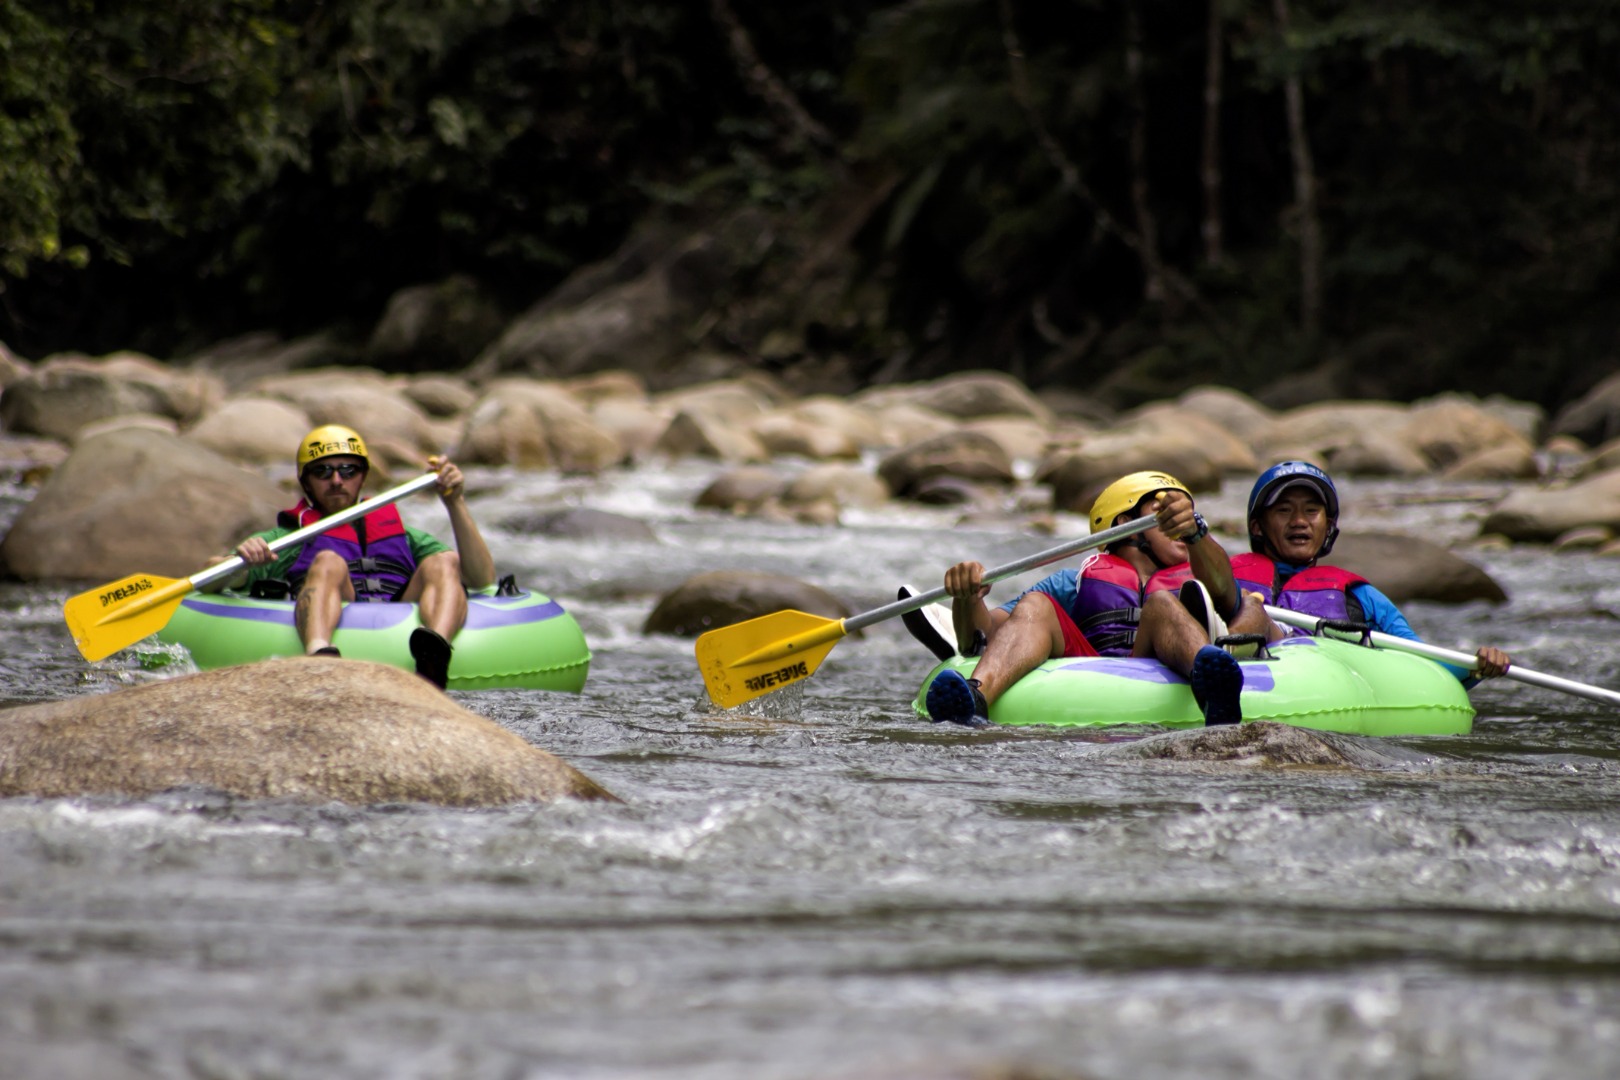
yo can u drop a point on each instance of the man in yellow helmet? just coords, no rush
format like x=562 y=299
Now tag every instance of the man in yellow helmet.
x=376 y=558
x=1164 y=594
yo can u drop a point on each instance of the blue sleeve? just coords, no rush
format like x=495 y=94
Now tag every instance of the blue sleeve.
x=1382 y=615
x=1062 y=586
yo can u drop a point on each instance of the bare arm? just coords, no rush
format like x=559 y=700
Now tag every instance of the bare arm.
x=969 y=613
x=254 y=551
x=1210 y=563
x=477 y=564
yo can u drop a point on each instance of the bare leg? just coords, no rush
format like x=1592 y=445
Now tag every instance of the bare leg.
x=321 y=599
x=1168 y=633
x=437 y=591
x=1032 y=634
x=1252 y=619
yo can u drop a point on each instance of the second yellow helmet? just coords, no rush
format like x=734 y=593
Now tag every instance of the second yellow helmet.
x=1123 y=494
x=330 y=439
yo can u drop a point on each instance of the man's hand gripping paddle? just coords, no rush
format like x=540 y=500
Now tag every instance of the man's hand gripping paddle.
x=742 y=661
x=120 y=613
x=1448 y=656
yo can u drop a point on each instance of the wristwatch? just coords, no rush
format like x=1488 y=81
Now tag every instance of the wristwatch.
x=1200 y=532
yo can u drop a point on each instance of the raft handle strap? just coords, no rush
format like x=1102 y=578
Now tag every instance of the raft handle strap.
x=1348 y=626
x=270 y=589
x=507 y=586
x=1231 y=641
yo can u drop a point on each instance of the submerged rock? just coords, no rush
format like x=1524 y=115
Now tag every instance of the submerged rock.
x=1265 y=743
x=308 y=729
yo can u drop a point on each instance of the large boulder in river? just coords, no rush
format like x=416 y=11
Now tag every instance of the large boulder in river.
x=959 y=454
x=310 y=729
x=1545 y=514
x=634 y=312
x=1078 y=475
x=262 y=431
x=972 y=395
x=722 y=597
x=536 y=425
x=743 y=490
x=137 y=500
x=1453 y=427
x=442 y=326
x=395 y=428
x=1352 y=437
x=68 y=391
x=1408 y=568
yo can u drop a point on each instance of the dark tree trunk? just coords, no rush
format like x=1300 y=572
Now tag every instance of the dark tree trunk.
x=1210 y=170
x=1308 y=222
x=1147 y=226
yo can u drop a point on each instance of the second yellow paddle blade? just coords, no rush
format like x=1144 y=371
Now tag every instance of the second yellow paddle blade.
x=120 y=613
x=742 y=661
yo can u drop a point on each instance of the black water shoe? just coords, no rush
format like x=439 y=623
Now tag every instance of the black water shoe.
x=432 y=655
x=956 y=699
x=329 y=650
x=1217 y=686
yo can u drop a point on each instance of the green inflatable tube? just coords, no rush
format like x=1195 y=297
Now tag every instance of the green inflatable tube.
x=1308 y=682
x=524 y=641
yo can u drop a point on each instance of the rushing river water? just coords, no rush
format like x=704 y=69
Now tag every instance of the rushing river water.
x=829 y=887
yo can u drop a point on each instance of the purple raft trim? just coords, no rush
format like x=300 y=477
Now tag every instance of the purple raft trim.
x=1257 y=676
x=483 y=613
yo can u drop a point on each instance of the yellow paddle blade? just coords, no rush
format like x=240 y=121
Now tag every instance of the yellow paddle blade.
x=120 y=613
x=742 y=661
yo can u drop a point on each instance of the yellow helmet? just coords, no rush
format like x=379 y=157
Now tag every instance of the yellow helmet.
x=1123 y=495
x=330 y=439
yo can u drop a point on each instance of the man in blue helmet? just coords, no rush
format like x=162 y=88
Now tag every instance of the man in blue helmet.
x=1293 y=521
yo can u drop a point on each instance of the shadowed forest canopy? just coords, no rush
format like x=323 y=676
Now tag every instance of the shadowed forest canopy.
x=1121 y=196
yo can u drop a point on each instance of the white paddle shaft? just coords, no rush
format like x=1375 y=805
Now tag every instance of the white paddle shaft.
x=1451 y=656
x=331 y=521
x=1029 y=562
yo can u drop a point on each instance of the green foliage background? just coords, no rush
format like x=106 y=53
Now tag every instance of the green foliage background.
x=174 y=173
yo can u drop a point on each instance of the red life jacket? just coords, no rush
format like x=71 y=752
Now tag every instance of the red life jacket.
x=1108 y=601
x=376 y=549
x=1319 y=591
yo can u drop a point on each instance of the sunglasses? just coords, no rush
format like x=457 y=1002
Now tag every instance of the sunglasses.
x=324 y=472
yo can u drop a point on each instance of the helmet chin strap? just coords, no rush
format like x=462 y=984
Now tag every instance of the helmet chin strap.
x=1147 y=549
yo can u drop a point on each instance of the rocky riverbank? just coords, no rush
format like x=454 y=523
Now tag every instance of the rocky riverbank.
x=143 y=465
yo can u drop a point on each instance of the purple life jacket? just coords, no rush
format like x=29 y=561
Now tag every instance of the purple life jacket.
x=375 y=547
x=1322 y=592
x=1108 y=600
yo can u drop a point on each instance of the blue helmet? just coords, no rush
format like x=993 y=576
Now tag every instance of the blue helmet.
x=1287 y=474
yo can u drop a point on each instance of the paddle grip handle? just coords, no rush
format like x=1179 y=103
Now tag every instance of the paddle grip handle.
x=1452 y=656
x=360 y=509
x=1029 y=562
